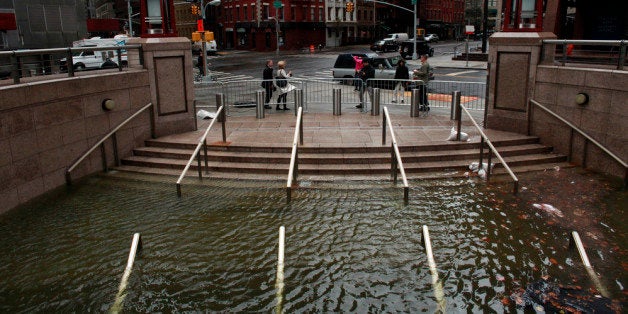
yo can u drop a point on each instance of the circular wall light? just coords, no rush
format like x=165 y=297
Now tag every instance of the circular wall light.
x=108 y=104
x=582 y=99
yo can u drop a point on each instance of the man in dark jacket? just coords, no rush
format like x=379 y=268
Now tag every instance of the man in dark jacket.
x=367 y=72
x=267 y=84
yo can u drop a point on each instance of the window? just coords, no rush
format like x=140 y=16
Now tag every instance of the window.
x=320 y=14
x=293 y=13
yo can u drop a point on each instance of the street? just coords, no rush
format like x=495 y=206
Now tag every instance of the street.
x=242 y=65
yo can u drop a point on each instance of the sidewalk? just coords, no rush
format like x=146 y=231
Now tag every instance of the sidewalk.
x=445 y=61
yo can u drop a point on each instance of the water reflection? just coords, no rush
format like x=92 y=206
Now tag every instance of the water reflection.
x=349 y=247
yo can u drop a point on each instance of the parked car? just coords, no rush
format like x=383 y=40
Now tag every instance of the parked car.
x=384 y=67
x=422 y=48
x=431 y=38
x=385 y=46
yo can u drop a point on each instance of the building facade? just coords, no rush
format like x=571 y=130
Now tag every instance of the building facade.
x=31 y=24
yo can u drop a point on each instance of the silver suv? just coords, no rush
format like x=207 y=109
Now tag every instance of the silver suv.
x=385 y=66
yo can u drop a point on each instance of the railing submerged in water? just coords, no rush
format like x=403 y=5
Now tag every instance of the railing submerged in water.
x=36 y=63
x=202 y=142
x=396 y=165
x=587 y=138
x=101 y=143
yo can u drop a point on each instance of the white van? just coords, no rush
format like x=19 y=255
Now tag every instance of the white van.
x=97 y=59
x=397 y=37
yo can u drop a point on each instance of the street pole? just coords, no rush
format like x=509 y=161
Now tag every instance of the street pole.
x=130 y=10
x=484 y=25
x=414 y=54
x=204 y=51
x=277 y=29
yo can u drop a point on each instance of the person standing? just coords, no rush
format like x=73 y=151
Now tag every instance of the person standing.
x=281 y=80
x=367 y=72
x=267 y=84
x=400 y=74
x=358 y=68
x=423 y=74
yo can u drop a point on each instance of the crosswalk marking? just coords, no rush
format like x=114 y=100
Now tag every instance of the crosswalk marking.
x=460 y=73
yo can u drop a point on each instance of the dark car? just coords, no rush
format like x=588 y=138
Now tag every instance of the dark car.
x=422 y=48
x=385 y=46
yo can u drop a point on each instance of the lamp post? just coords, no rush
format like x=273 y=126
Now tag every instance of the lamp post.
x=414 y=55
x=276 y=31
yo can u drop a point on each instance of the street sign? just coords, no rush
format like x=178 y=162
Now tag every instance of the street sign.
x=469 y=29
x=277 y=4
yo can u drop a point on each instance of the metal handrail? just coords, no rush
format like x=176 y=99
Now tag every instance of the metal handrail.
x=492 y=149
x=196 y=154
x=615 y=43
x=68 y=52
x=294 y=162
x=100 y=143
x=575 y=128
x=396 y=156
x=136 y=245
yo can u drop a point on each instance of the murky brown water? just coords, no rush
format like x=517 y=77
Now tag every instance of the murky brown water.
x=349 y=247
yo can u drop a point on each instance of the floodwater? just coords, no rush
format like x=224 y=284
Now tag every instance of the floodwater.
x=349 y=247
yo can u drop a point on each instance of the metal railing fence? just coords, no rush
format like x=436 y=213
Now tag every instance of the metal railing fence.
x=318 y=94
x=597 y=52
x=19 y=64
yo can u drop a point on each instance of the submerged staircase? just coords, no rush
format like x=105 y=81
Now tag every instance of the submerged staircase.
x=440 y=160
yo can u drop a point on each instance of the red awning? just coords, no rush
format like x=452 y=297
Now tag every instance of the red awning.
x=103 y=25
x=7 y=22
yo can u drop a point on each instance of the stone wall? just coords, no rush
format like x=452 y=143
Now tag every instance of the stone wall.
x=603 y=117
x=45 y=126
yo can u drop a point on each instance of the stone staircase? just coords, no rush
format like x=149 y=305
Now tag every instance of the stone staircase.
x=446 y=159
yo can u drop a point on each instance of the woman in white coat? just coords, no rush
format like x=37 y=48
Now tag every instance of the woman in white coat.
x=281 y=80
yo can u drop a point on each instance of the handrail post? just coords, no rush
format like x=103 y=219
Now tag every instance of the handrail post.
x=481 y=152
x=15 y=68
x=529 y=116
x=564 y=53
x=151 y=113
x=206 y=158
x=488 y=163
x=103 y=156
x=622 y=55
x=459 y=115
x=119 y=51
x=384 y=127
x=114 y=142
x=455 y=101
x=195 y=116
x=301 y=127
x=394 y=162
x=295 y=173
x=200 y=170
x=70 y=62
x=222 y=118
x=584 y=153
x=570 y=145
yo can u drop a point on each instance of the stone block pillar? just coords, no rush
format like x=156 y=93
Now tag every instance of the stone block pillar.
x=513 y=59
x=169 y=64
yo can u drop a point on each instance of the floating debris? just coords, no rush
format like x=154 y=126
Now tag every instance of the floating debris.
x=549 y=209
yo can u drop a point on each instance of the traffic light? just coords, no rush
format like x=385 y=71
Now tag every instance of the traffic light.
x=194 y=9
x=350 y=7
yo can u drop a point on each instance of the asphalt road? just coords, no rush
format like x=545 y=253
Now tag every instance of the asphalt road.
x=247 y=64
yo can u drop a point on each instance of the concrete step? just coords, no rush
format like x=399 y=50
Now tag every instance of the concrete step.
x=380 y=166
x=337 y=158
